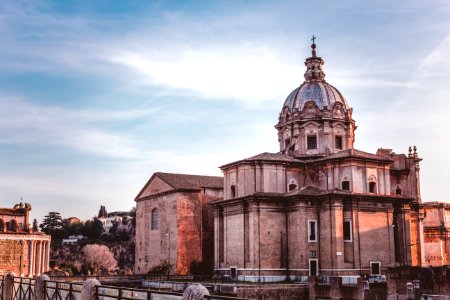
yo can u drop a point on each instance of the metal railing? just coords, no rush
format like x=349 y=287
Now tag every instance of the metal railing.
x=23 y=288
x=105 y=292
x=1 y=286
x=57 y=290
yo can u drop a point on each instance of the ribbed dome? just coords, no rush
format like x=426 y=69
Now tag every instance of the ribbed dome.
x=322 y=93
x=314 y=88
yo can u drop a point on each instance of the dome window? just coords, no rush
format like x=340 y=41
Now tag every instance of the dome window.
x=312 y=142
x=398 y=191
x=292 y=185
x=338 y=142
x=372 y=187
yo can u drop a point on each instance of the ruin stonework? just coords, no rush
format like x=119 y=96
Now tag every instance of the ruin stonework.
x=22 y=251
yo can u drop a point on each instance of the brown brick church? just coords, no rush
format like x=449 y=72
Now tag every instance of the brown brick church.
x=317 y=207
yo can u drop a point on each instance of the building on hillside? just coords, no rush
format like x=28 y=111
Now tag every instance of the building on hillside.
x=108 y=222
x=319 y=206
x=174 y=224
x=436 y=227
x=22 y=251
x=72 y=220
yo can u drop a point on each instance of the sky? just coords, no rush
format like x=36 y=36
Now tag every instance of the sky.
x=95 y=96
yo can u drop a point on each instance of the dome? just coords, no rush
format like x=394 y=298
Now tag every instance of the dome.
x=314 y=88
x=322 y=93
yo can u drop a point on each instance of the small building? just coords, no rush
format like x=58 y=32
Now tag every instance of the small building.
x=436 y=227
x=174 y=223
x=108 y=222
x=22 y=251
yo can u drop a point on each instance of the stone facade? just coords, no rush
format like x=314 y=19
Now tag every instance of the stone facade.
x=174 y=222
x=22 y=251
x=319 y=206
x=437 y=233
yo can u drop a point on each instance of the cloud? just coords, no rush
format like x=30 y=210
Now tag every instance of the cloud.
x=26 y=123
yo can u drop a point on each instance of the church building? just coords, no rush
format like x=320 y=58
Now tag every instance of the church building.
x=318 y=206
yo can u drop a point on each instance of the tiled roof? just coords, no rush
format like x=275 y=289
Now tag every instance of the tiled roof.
x=189 y=182
x=266 y=156
x=309 y=190
x=356 y=154
x=11 y=211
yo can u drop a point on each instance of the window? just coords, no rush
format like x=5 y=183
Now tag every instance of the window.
x=338 y=142
x=346 y=185
x=372 y=187
x=347 y=230
x=233 y=191
x=2 y=226
x=375 y=268
x=313 y=269
x=312 y=253
x=312 y=142
x=312 y=231
x=13 y=225
x=154 y=219
x=398 y=191
x=292 y=187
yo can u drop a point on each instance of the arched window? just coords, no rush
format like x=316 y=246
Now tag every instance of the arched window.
x=154 y=219
x=398 y=191
x=2 y=226
x=13 y=225
x=346 y=185
x=292 y=185
x=372 y=187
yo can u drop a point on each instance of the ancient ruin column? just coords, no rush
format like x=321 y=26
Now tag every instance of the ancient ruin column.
x=31 y=260
x=42 y=257
x=38 y=257
x=49 y=248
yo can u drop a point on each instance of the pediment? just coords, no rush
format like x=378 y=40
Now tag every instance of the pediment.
x=155 y=185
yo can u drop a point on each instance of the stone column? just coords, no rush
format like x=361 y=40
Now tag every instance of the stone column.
x=30 y=260
x=49 y=249
x=38 y=257
x=42 y=257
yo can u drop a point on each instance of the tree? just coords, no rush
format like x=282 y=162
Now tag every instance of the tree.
x=51 y=222
x=99 y=259
x=93 y=229
x=35 y=225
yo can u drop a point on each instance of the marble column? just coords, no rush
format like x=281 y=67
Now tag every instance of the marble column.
x=48 y=254
x=31 y=259
x=38 y=257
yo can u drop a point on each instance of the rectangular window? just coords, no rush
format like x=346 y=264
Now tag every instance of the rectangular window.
x=313 y=267
x=312 y=231
x=338 y=142
x=347 y=231
x=375 y=268
x=346 y=185
x=312 y=142
x=233 y=191
x=313 y=254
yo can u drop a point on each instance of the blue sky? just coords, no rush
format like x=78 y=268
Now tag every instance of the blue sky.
x=95 y=96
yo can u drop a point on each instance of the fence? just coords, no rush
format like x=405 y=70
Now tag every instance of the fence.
x=21 y=288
